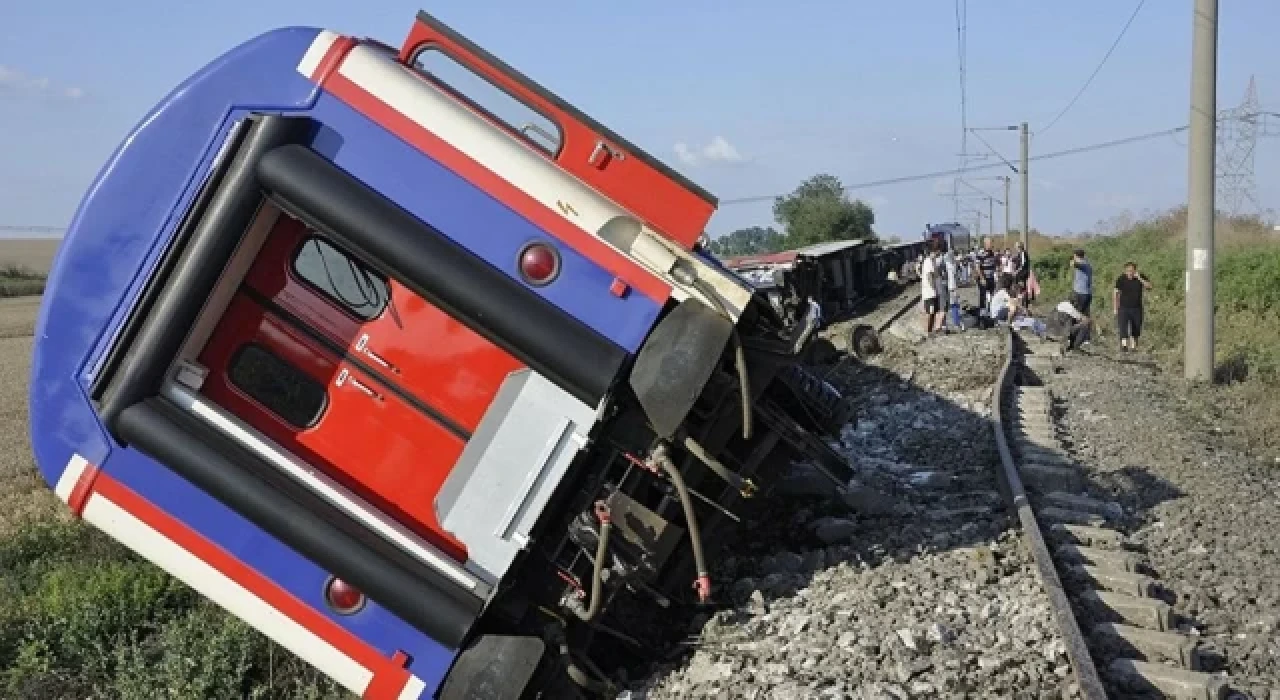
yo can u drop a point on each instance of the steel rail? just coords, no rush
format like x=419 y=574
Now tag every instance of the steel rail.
x=1082 y=665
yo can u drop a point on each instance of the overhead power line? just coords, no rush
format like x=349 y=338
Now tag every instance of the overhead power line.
x=957 y=171
x=962 y=21
x=1097 y=70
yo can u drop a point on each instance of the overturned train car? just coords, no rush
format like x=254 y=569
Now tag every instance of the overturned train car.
x=411 y=365
x=837 y=276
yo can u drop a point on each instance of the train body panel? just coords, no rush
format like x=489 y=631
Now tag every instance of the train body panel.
x=116 y=239
x=321 y=322
x=626 y=174
x=952 y=236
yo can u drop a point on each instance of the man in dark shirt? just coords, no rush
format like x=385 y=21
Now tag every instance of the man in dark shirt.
x=1127 y=302
x=987 y=265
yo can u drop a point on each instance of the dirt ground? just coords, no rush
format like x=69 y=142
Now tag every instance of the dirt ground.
x=23 y=494
x=35 y=254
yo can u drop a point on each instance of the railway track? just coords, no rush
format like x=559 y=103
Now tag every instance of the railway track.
x=929 y=592
x=1121 y=634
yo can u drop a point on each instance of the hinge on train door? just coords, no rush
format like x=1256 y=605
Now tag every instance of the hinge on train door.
x=607 y=151
x=190 y=374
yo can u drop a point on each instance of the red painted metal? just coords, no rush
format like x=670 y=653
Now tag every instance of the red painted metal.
x=389 y=674
x=445 y=153
x=663 y=202
x=378 y=446
x=432 y=356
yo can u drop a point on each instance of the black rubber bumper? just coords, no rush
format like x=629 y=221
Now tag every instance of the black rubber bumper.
x=419 y=595
x=399 y=245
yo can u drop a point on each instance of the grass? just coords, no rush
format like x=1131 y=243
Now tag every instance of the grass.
x=20 y=281
x=1247 y=309
x=82 y=617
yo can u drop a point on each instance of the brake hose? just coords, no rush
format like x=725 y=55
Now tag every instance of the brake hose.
x=703 y=583
x=597 y=571
x=746 y=487
x=579 y=676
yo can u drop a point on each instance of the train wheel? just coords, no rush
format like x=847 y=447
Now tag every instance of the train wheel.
x=864 y=342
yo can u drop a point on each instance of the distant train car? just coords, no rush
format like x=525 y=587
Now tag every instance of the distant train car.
x=953 y=236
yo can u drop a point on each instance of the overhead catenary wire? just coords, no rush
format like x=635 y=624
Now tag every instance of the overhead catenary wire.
x=957 y=171
x=962 y=20
x=994 y=152
x=1097 y=70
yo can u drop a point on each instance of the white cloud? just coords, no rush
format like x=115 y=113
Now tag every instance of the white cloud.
x=718 y=150
x=686 y=156
x=16 y=82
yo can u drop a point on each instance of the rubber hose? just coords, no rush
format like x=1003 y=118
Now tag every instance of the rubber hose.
x=695 y=537
x=740 y=361
x=713 y=464
x=597 y=575
x=577 y=675
x=739 y=355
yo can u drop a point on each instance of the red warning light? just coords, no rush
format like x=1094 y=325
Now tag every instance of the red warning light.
x=539 y=264
x=342 y=597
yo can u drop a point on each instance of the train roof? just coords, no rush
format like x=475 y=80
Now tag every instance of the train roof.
x=786 y=257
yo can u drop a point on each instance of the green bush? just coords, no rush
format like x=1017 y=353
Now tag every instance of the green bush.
x=20 y=287
x=1247 y=290
x=82 y=617
x=20 y=272
x=20 y=281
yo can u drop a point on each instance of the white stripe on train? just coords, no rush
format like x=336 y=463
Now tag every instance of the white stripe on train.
x=315 y=54
x=403 y=90
x=207 y=580
x=324 y=486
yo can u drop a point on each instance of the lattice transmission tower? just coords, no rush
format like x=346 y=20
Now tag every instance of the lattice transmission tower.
x=1237 y=189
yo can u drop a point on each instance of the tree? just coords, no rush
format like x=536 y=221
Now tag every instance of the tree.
x=819 y=210
x=748 y=241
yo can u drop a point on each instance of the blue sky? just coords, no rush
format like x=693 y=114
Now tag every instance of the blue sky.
x=747 y=98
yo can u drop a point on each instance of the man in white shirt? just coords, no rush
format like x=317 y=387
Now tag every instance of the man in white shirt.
x=952 y=303
x=1003 y=305
x=1073 y=326
x=929 y=289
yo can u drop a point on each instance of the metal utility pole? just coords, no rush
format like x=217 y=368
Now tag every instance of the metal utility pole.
x=991 y=214
x=1026 y=188
x=1007 y=181
x=1198 y=341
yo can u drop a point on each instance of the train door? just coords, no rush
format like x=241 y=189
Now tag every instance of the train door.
x=353 y=374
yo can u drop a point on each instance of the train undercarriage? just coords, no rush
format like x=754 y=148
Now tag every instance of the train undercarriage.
x=623 y=559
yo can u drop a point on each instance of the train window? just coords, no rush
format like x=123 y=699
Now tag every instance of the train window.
x=489 y=99
x=283 y=389
x=341 y=278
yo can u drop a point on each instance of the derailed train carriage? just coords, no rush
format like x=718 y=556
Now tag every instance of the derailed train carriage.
x=837 y=275
x=411 y=365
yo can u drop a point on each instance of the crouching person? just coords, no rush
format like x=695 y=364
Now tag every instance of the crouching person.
x=1069 y=324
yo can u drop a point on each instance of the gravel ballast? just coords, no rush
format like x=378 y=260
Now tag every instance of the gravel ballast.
x=926 y=592
x=1206 y=516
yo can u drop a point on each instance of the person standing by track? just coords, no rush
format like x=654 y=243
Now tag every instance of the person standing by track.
x=986 y=267
x=950 y=308
x=1020 y=261
x=929 y=279
x=1082 y=282
x=1127 y=305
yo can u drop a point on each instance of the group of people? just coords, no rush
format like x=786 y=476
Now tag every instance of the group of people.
x=1002 y=284
x=1004 y=296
